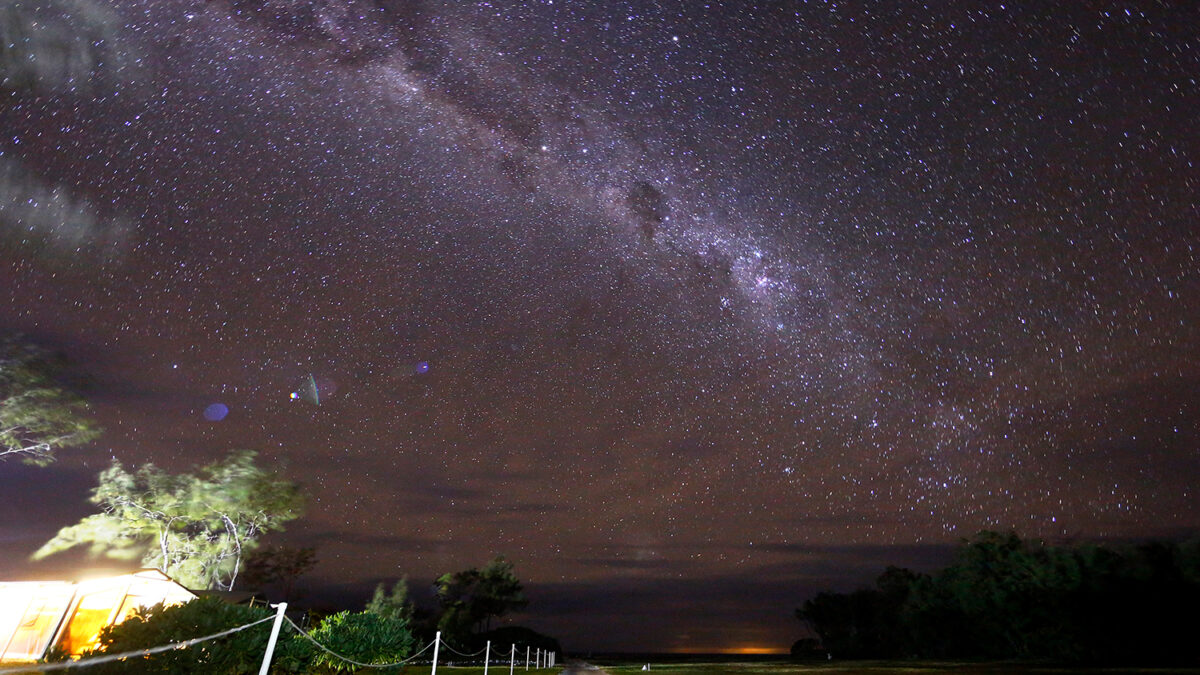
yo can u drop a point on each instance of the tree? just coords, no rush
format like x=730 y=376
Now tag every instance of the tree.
x=456 y=593
x=1004 y=597
x=499 y=591
x=808 y=649
x=37 y=417
x=472 y=597
x=196 y=528
x=281 y=565
x=397 y=605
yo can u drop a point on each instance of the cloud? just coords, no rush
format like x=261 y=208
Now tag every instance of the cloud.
x=368 y=540
x=52 y=218
x=56 y=45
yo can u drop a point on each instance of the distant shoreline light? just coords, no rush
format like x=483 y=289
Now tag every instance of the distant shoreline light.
x=747 y=650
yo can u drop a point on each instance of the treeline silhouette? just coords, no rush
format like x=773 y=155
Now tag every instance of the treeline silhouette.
x=1006 y=598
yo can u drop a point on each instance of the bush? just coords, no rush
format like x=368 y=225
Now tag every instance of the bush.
x=365 y=637
x=241 y=652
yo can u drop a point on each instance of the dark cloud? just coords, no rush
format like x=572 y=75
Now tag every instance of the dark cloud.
x=648 y=206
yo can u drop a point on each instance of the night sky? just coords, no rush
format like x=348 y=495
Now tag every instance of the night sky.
x=689 y=309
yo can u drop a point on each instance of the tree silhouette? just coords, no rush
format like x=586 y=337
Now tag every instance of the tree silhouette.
x=281 y=565
x=471 y=598
x=1004 y=597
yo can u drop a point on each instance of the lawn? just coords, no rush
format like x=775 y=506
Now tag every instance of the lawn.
x=785 y=668
x=443 y=669
x=872 y=667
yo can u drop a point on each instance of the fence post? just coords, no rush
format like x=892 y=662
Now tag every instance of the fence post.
x=526 y=657
x=487 y=656
x=280 y=609
x=512 y=658
x=437 y=642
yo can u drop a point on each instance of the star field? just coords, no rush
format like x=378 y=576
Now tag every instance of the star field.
x=690 y=309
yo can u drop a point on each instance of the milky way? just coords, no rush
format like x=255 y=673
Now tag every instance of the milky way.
x=690 y=310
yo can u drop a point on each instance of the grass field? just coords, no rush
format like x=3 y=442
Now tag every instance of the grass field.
x=784 y=668
x=871 y=667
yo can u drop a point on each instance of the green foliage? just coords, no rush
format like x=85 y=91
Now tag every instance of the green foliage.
x=397 y=605
x=1006 y=598
x=456 y=625
x=499 y=590
x=472 y=597
x=365 y=637
x=196 y=528
x=241 y=652
x=37 y=417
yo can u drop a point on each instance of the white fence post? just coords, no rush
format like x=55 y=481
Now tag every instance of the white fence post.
x=487 y=656
x=279 y=610
x=437 y=642
x=512 y=659
x=526 y=657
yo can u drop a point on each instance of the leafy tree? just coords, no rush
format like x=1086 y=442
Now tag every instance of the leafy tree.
x=499 y=591
x=396 y=605
x=281 y=565
x=472 y=597
x=365 y=637
x=37 y=417
x=241 y=652
x=196 y=528
x=456 y=624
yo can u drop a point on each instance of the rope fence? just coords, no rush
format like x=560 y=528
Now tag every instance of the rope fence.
x=109 y=658
x=541 y=658
x=455 y=651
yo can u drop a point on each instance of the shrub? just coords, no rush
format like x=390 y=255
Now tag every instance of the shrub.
x=241 y=652
x=365 y=637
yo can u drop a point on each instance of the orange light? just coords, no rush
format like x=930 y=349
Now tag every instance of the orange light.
x=745 y=650
x=754 y=649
